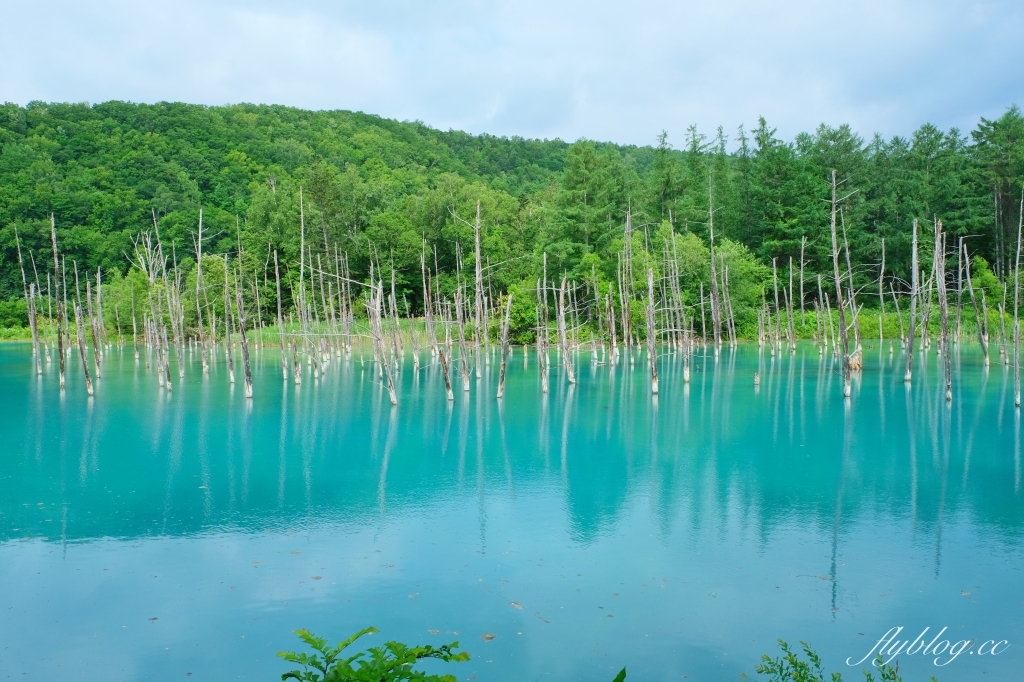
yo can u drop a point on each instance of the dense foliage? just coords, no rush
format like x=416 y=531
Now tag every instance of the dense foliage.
x=381 y=189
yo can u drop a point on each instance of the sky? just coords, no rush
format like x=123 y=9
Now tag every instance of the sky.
x=614 y=71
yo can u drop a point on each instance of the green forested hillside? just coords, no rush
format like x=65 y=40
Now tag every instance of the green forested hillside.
x=380 y=188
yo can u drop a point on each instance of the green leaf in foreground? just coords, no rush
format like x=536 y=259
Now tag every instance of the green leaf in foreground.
x=790 y=667
x=392 y=662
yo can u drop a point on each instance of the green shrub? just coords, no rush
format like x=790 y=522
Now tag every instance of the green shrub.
x=389 y=663
x=15 y=333
x=790 y=668
x=393 y=663
x=14 y=313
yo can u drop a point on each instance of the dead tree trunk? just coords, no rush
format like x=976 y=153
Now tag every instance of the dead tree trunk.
x=504 y=345
x=822 y=330
x=881 y=294
x=153 y=340
x=926 y=314
x=914 y=284
x=374 y=313
x=563 y=335
x=478 y=294
x=542 y=332
x=730 y=318
x=463 y=350
x=974 y=302
x=688 y=335
x=245 y=341
x=716 y=313
x=79 y=323
x=652 y=341
x=280 y=319
x=703 y=319
x=789 y=322
x=600 y=317
x=843 y=337
x=170 y=302
x=789 y=310
x=81 y=348
x=1003 y=338
x=899 y=315
x=626 y=287
x=296 y=365
x=857 y=354
x=610 y=313
x=444 y=369
x=778 y=308
x=229 y=356
x=958 y=330
x=96 y=355
x=428 y=309
x=199 y=287
x=167 y=353
x=1016 y=308
x=940 y=282
x=61 y=312
x=135 y=328
x=33 y=324
x=803 y=245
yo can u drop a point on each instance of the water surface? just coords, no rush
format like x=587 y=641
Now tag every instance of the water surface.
x=147 y=535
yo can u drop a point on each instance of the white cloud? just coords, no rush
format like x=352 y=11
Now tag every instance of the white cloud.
x=605 y=70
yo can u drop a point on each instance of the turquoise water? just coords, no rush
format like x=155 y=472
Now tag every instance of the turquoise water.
x=147 y=535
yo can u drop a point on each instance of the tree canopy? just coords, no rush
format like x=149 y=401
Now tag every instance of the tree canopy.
x=390 y=191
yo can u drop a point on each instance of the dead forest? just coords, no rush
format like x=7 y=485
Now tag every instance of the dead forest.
x=641 y=318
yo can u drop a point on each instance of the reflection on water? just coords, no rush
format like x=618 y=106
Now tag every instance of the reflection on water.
x=679 y=533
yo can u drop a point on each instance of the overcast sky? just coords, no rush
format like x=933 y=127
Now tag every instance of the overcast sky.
x=604 y=70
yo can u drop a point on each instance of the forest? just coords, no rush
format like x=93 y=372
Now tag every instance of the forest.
x=336 y=187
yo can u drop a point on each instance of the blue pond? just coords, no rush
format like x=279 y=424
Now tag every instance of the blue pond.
x=154 y=535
